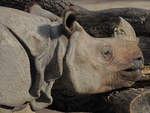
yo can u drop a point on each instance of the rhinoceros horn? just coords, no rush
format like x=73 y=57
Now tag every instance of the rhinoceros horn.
x=125 y=31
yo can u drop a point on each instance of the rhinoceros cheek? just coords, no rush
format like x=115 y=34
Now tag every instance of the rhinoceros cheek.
x=113 y=82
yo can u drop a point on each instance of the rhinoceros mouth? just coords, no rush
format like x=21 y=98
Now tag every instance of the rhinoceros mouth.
x=131 y=74
x=130 y=70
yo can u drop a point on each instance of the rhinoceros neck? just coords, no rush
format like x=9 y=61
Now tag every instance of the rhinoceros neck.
x=57 y=30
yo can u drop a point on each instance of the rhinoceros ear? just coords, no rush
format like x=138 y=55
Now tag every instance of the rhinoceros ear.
x=125 y=31
x=69 y=21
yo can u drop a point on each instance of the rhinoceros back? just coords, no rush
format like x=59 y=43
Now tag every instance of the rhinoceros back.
x=15 y=80
x=33 y=30
x=33 y=43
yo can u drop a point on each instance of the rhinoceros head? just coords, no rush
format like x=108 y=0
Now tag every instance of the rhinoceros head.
x=95 y=65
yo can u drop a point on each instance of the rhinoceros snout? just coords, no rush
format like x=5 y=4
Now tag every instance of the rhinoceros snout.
x=134 y=72
x=138 y=63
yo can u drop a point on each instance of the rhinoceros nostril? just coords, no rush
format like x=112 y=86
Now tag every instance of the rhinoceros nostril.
x=138 y=63
x=139 y=59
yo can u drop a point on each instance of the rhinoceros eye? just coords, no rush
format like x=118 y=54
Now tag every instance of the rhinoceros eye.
x=106 y=52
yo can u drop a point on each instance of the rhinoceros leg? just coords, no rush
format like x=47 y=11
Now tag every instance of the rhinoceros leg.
x=27 y=109
x=15 y=77
x=2 y=110
x=41 y=88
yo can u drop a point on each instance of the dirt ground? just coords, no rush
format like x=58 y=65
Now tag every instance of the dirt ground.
x=106 y=4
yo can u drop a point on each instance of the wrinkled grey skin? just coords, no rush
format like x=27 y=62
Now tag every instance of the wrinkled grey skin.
x=34 y=52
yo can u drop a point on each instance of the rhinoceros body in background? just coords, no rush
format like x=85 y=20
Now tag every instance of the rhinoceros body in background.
x=34 y=52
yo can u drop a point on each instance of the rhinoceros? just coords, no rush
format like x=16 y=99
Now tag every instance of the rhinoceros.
x=36 y=53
